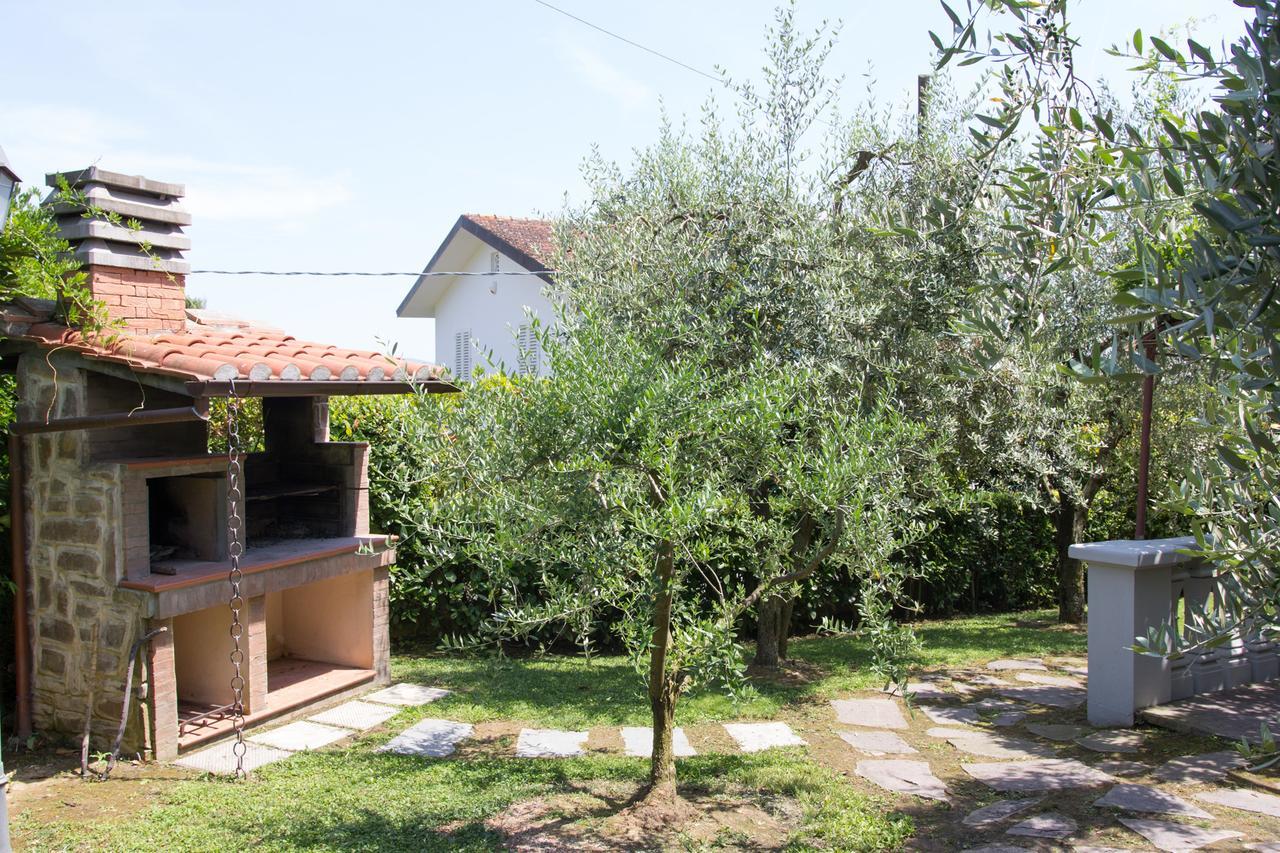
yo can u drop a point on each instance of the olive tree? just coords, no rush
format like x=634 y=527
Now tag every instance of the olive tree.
x=626 y=482
x=1068 y=203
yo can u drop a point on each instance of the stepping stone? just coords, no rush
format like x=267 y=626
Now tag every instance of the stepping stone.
x=872 y=713
x=221 y=760
x=638 y=741
x=1265 y=847
x=407 y=694
x=1166 y=835
x=922 y=690
x=430 y=738
x=550 y=743
x=754 y=737
x=990 y=745
x=993 y=704
x=1112 y=740
x=951 y=731
x=1144 y=798
x=1239 y=798
x=1047 y=825
x=1051 y=680
x=998 y=811
x=1118 y=767
x=356 y=715
x=1008 y=713
x=1056 y=731
x=988 y=681
x=300 y=736
x=1008 y=664
x=1051 y=774
x=908 y=777
x=996 y=848
x=952 y=716
x=1054 y=697
x=1205 y=768
x=877 y=743
x=1076 y=670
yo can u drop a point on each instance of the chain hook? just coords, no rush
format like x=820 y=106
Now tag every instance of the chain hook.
x=235 y=549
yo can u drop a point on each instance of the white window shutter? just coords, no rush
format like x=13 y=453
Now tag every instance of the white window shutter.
x=462 y=363
x=527 y=341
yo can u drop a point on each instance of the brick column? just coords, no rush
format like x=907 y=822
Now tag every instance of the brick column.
x=146 y=300
x=256 y=655
x=381 y=625
x=164 y=692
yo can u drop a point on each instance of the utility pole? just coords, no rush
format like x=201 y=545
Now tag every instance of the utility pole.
x=922 y=101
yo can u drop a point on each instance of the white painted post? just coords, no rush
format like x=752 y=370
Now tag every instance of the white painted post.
x=1130 y=584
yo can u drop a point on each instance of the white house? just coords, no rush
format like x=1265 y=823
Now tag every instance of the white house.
x=485 y=313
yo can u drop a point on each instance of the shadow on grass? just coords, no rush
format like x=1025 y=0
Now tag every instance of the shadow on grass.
x=574 y=692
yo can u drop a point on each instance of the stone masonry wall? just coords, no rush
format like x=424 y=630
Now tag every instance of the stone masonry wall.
x=74 y=560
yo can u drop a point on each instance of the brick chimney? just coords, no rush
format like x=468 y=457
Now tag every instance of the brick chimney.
x=145 y=289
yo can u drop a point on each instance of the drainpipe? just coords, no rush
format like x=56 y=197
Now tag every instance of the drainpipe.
x=199 y=411
x=18 y=560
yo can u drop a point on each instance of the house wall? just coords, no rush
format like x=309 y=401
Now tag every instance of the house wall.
x=492 y=317
x=74 y=558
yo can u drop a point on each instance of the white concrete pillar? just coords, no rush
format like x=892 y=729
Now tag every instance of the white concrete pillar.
x=1130 y=583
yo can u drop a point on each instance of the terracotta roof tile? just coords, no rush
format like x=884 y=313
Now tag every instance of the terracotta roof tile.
x=221 y=354
x=534 y=237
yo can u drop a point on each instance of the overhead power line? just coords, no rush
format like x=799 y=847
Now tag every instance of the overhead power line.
x=635 y=44
x=368 y=274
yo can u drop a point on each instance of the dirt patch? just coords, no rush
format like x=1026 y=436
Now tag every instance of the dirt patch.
x=54 y=791
x=604 y=821
x=788 y=673
x=490 y=739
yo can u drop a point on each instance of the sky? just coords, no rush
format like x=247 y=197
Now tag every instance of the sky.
x=322 y=135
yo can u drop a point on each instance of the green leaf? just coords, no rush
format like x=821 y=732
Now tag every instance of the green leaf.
x=1137 y=41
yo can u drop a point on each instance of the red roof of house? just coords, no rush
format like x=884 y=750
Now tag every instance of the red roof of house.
x=221 y=351
x=532 y=237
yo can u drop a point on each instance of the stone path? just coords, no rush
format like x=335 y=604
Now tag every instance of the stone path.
x=999 y=811
x=1047 y=825
x=429 y=738
x=872 y=713
x=320 y=730
x=1034 y=765
x=1032 y=748
x=1051 y=774
x=550 y=743
x=638 y=741
x=877 y=743
x=754 y=737
x=1166 y=835
x=907 y=777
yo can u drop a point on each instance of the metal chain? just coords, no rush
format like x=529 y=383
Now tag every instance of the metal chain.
x=235 y=548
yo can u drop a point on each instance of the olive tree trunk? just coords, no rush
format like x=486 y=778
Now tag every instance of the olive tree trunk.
x=769 y=636
x=663 y=686
x=1069 y=529
x=773 y=624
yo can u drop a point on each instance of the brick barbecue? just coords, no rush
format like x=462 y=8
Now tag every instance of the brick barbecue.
x=121 y=510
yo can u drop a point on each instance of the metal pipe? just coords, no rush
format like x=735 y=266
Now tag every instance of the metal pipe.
x=141 y=417
x=18 y=561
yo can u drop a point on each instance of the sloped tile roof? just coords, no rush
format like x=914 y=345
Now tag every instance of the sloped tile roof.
x=533 y=237
x=223 y=352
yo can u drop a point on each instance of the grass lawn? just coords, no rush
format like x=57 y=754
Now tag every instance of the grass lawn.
x=353 y=798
